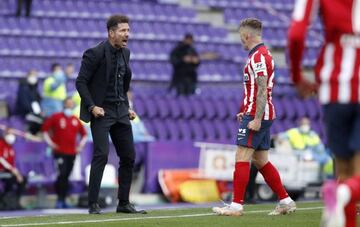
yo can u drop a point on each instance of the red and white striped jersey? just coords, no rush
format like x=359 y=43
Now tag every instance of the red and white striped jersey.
x=259 y=63
x=338 y=67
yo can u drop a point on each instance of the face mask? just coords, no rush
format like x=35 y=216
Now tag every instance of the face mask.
x=32 y=80
x=60 y=76
x=68 y=112
x=305 y=128
x=10 y=139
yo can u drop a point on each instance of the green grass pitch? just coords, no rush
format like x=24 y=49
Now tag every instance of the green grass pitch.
x=307 y=215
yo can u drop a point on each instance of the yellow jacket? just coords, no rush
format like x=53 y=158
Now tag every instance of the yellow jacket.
x=300 y=141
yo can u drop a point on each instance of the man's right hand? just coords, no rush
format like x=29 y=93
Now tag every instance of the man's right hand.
x=306 y=88
x=98 y=112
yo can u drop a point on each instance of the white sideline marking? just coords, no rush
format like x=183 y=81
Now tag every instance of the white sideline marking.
x=139 y=218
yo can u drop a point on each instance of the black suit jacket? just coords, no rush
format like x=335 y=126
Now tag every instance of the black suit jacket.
x=93 y=77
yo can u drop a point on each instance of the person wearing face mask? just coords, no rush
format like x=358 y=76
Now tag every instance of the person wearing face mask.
x=54 y=91
x=12 y=178
x=28 y=102
x=303 y=138
x=61 y=131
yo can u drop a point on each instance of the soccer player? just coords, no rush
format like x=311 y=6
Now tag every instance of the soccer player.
x=338 y=77
x=256 y=117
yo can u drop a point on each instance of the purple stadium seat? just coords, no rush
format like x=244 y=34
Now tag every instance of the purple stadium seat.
x=174 y=108
x=289 y=107
x=161 y=131
x=197 y=130
x=187 y=111
x=151 y=108
x=174 y=132
x=299 y=107
x=196 y=105
x=223 y=131
x=185 y=130
x=163 y=107
x=210 y=112
x=210 y=130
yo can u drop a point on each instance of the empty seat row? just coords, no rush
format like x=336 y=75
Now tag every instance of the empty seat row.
x=218 y=107
x=102 y=9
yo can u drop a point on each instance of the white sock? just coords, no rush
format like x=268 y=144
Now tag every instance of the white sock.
x=343 y=194
x=236 y=206
x=286 y=201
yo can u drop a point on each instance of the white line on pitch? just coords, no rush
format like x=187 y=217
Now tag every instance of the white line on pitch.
x=139 y=218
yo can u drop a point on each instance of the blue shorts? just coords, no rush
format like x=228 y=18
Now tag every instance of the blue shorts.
x=343 y=129
x=259 y=140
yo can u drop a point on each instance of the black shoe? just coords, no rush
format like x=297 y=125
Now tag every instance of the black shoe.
x=129 y=209
x=94 y=208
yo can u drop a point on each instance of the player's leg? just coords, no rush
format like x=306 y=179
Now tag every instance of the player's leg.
x=240 y=181
x=343 y=131
x=272 y=178
x=246 y=140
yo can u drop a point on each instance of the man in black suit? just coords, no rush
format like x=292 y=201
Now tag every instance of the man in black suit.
x=102 y=83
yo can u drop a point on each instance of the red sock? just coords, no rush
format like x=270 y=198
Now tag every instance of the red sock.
x=241 y=179
x=272 y=178
x=350 y=209
x=354 y=185
x=350 y=214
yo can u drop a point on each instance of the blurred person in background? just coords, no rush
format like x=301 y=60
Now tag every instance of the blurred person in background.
x=103 y=82
x=256 y=117
x=77 y=101
x=337 y=79
x=28 y=101
x=61 y=133
x=20 y=4
x=304 y=139
x=54 y=91
x=185 y=61
x=141 y=134
x=70 y=71
x=12 y=178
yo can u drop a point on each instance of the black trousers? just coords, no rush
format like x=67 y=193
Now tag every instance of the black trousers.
x=251 y=187
x=116 y=123
x=11 y=185
x=65 y=164
x=20 y=5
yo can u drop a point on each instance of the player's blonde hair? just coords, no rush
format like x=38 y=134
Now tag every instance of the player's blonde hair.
x=252 y=23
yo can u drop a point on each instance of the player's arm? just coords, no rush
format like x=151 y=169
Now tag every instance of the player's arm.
x=83 y=139
x=12 y=169
x=261 y=96
x=45 y=129
x=304 y=11
x=87 y=70
x=258 y=65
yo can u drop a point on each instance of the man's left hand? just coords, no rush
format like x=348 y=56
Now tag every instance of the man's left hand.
x=255 y=125
x=132 y=114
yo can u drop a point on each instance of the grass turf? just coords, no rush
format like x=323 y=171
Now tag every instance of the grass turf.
x=307 y=215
